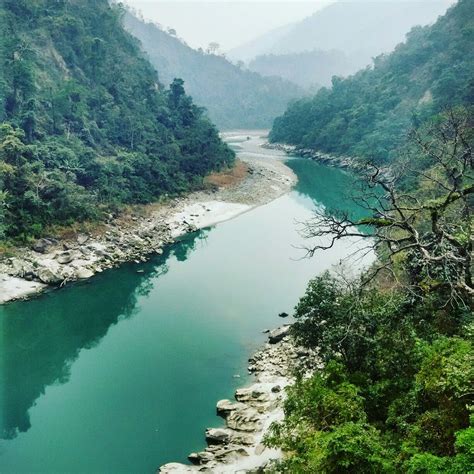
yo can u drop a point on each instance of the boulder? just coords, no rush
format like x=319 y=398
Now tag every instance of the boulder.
x=202 y=457
x=279 y=334
x=260 y=449
x=248 y=420
x=175 y=467
x=194 y=458
x=20 y=268
x=242 y=438
x=48 y=276
x=224 y=407
x=230 y=453
x=65 y=257
x=84 y=273
x=217 y=436
x=251 y=394
x=42 y=245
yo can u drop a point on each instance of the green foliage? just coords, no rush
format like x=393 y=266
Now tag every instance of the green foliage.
x=325 y=400
x=325 y=428
x=86 y=124
x=447 y=370
x=462 y=462
x=402 y=346
x=368 y=114
x=394 y=393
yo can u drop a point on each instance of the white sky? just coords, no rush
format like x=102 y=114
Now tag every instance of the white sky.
x=229 y=23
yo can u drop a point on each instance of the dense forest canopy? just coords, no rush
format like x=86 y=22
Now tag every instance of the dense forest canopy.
x=85 y=124
x=368 y=114
x=233 y=96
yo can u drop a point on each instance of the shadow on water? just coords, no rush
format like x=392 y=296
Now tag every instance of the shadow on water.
x=40 y=340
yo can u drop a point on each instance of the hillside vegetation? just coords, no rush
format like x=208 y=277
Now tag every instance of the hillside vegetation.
x=85 y=126
x=395 y=393
x=368 y=114
x=234 y=97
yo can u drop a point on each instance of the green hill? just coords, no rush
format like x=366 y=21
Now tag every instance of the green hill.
x=85 y=125
x=234 y=97
x=368 y=114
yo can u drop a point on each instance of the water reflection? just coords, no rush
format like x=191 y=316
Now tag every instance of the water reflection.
x=40 y=340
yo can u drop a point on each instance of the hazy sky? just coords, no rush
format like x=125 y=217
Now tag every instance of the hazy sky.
x=229 y=23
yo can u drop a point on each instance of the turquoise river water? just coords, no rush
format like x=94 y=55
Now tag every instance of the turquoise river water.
x=122 y=373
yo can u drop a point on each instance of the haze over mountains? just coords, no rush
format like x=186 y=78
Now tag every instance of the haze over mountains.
x=234 y=97
x=337 y=40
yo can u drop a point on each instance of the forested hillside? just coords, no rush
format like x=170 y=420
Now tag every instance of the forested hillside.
x=368 y=114
x=395 y=391
x=233 y=96
x=85 y=124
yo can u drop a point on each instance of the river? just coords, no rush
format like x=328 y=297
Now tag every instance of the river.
x=122 y=373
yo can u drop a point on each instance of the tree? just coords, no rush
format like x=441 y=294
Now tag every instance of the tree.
x=213 y=48
x=428 y=231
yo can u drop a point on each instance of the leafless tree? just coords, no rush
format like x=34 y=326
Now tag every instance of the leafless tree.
x=427 y=230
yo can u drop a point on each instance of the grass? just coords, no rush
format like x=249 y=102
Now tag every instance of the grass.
x=228 y=177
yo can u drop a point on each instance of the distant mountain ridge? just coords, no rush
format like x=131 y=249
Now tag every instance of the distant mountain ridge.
x=234 y=97
x=337 y=40
x=362 y=28
x=311 y=69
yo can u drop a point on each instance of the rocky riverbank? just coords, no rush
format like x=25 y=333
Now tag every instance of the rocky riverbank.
x=140 y=232
x=320 y=157
x=238 y=446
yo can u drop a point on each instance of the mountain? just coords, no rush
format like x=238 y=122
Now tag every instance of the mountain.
x=260 y=45
x=361 y=28
x=233 y=96
x=310 y=69
x=368 y=114
x=337 y=40
x=85 y=126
